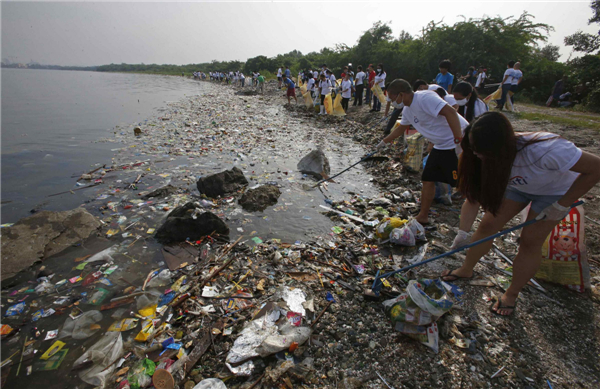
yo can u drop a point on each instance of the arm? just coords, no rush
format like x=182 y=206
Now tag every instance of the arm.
x=588 y=168
x=504 y=79
x=452 y=117
x=387 y=108
x=397 y=133
x=520 y=79
x=450 y=90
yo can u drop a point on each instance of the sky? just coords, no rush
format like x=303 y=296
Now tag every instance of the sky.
x=98 y=33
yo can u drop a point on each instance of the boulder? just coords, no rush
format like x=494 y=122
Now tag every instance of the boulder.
x=180 y=225
x=44 y=234
x=314 y=163
x=161 y=192
x=260 y=198
x=219 y=184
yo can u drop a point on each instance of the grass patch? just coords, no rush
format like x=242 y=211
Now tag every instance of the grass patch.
x=583 y=122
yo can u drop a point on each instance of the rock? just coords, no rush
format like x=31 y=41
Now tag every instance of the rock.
x=42 y=235
x=219 y=184
x=180 y=225
x=381 y=202
x=260 y=198
x=314 y=163
x=161 y=192
x=137 y=131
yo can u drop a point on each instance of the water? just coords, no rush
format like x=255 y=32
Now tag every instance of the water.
x=52 y=121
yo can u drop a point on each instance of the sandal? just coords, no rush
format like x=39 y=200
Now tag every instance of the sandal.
x=456 y=277
x=500 y=306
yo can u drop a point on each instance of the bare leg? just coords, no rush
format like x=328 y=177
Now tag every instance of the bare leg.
x=468 y=214
x=427 y=195
x=488 y=226
x=527 y=261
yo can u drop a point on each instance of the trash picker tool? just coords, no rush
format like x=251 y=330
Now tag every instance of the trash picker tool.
x=377 y=283
x=345 y=170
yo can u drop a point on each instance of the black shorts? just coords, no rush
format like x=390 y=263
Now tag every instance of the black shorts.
x=442 y=166
x=279 y=78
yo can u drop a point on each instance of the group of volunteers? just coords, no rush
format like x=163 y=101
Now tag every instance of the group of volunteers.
x=199 y=76
x=495 y=168
x=238 y=78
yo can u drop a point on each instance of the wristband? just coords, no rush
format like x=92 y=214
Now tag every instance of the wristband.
x=457 y=140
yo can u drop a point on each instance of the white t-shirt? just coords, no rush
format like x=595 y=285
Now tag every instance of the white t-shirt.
x=316 y=74
x=509 y=73
x=380 y=79
x=332 y=79
x=325 y=86
x=517 y=74
x=450 y=100
x=480 y=77
x=543 y=168
x=279 y=72
x=479 y=108
x=310 y=85
x=423 y=115
x=346 y=89
x=394 y=104
x=360 y=76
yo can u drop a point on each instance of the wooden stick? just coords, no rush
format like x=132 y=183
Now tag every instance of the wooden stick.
x=214 y=273
x=321 y=314
x=73 y=190
x=257 y=381
x=22 y=352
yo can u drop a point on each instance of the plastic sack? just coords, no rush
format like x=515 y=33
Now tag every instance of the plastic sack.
x=308 y=101
x=104 y=255
x=497 y=95
x=564 y=254
x=443 y=193
x=328 y=104
x=146 y=304
x=106 y=351
x=140 y=375
x=376 y=89
x=83 y=327
x=414 y=152
x=162 y=279
x=417 y=230
x=337 y=106
x=402 y=236
x=384 y=229
x=211 y=383
x=415 y=311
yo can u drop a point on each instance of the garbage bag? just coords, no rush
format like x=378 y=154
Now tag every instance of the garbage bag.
x=104 y=353
x=417 y=230
x=83 y=327
x=415 y=311
x=337 y=106
x=146 y=304
x=308 y=100
x=328 y=104
x=385 y=228
x=402 y=236
x=414 y=152
x=376 y=89
x=210 y=383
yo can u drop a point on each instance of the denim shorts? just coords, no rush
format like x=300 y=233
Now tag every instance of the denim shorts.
x=538 y=202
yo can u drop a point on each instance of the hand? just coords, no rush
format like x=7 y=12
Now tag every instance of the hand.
x=458 y=149
x=554 y=212
x=381 y=145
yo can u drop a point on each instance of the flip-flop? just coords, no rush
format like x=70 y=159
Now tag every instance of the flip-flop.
x=500 y=306
x=456 y=277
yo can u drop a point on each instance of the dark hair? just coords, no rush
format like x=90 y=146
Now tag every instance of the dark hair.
x=511 y=64
x=467 y=111
x=445 y=64
x=380 y=66
x=441 y=92
x=418 y=83
x=359 y=67
x=485 y=180
x=399 y=86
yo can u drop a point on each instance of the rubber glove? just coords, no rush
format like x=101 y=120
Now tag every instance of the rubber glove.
x=381 y=145
x=553 y=212
x=462 y=239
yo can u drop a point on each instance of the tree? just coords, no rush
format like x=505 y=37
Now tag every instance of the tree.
x=550 y=52
x=584 y=42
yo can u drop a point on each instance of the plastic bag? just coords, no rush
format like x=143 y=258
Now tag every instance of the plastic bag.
x=146 y=304
x=162 y=279
x=308 y=101
x=83 y=327
x=414 y=152
x=123 y=325
x=104 y=255
x=106 y=351
x=337 y=106
x=210 y=383
x=376 y=89
x=402 y=236
x=140 y=375
x=417 y=230
x=443 y=193
x=564 y=253
x=384 y=229
x=328 y=104
x=415 y=311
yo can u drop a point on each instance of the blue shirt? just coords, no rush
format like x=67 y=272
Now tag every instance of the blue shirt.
x=290 y=84
x=287 y=73
x=444 y=80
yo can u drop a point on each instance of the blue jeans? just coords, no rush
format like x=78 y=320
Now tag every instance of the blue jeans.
x=368 y=96
x=502 y=101
x=376 y=104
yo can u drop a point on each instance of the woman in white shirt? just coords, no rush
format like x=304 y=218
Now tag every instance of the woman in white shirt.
x=346 y=91
x=506 y=83
x=324 y=90
x=310 y=85
x=379 y=80
x=470 y=106
x=360 y=86
x=505 y=171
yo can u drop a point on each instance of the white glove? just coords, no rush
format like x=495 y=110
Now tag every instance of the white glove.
x=553 y=212
x=462 y=239
x=381 y=145
x=458 y=149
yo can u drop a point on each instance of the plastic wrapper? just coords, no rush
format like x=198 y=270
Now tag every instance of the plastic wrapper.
x=104 y=255
x=162 y=279
x=211 y=383
x=123 y=325
x=146 y=304
x=140 y=375
x=417 y=230
x=414 y=152
x=385 y=228
x=415 y=311
x=402 y=236
x=15 y=309
x=293 y=298
x=104 y=353
x=83 y=327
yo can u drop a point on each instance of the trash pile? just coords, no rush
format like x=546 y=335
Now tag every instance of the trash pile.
x=227 y=300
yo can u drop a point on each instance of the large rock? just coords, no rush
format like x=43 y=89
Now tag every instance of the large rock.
x=260 y=198
x=42 y=235
x=314 y=163
x=219 y=184
x=180 y=225
x=165 y=191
